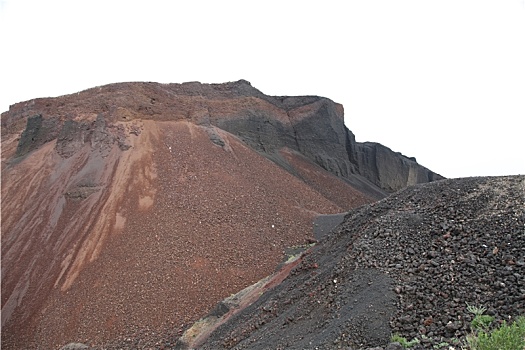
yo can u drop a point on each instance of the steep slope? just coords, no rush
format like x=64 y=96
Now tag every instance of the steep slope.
x=408 y=264
x=143 y=237
x=132 y=209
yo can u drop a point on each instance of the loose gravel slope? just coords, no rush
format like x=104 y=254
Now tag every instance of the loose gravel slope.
x=408 y=264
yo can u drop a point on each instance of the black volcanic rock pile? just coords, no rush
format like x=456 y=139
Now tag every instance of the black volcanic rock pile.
x=409 y=264
x=446 y=245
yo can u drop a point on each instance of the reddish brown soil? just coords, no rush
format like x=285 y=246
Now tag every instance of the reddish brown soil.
x=169 y=228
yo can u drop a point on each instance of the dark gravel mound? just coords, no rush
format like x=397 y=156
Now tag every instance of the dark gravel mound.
x=407 y=264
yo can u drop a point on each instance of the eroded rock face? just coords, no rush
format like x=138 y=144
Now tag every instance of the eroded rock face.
x=97 y=134
x=311 y=125
x=37 y=132
x=390 y=170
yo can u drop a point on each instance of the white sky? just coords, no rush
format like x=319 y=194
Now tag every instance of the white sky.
x=441 y=80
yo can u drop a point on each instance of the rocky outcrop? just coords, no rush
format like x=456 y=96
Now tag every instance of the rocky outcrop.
x=311 y=125
x=388 y=169
x=97 y=134
x=37 y=132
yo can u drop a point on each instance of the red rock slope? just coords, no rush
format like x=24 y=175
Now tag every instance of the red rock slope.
x=126 y=211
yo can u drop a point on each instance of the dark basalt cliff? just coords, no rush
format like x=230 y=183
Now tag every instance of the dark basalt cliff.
x=317 y=130
x=388 y=169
